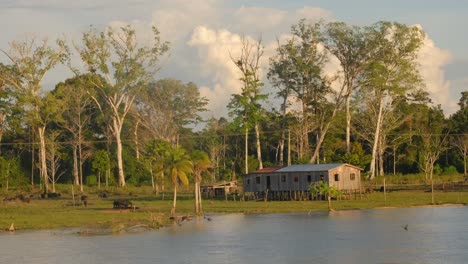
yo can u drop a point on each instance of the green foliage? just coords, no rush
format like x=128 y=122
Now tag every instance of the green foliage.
x=201 y=163
x=357 y=156
x=322 y=188
x=253 y=163
x=101 y=162
x=178 y=165
x=11 y=171
x=91 y=180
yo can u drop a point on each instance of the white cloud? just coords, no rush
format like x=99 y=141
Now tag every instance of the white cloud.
x=314 y=13
x=214 y=49
x=431 y=60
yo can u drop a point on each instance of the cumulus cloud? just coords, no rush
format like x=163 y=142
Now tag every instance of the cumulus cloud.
x=215 y=48
x=314 y=13
x=432 y=60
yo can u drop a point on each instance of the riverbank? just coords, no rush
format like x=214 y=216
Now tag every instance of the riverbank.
x=154 y=212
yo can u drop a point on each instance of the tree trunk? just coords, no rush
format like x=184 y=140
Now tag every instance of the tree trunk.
x=7 y=178
x=432 y=185
x=152 y=179
x=76 y=177
x=246 y=150
x=174 y=202
x=376 y=140
x=33 y=160
x=281 y=149
x=348 y=124
x=329 y=203
x=464 y=160
x=200 y=200
x=381 y=154
x=80 y=168
x=259 y=149
x=107 y=177
x=197 y=210
x=118 y=141
x=135 y=134
x=322 y=137
x=99 y=180
x=52 y=170
x=42 y=157
x=289 y=147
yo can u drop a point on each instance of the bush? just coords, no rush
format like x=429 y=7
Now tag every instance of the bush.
x=91 y=180
x=450 y=170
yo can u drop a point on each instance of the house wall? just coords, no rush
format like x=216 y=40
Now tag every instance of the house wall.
x=345 y=181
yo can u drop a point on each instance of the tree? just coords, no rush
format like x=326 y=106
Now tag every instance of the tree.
x=74 y=93
x=178 y=165
x=323 y=188
x=392 y=71
x=246 y=106
x=351 y=46
x=155 y=154
x=101 y=164
x=298 y=72
x=126 y=68
x=30 y=61
x=279 y=75
x=201 y=164
x=10 y=170
x=54 y=157
x=459 y=126
x=169 y=99
x=433 y=134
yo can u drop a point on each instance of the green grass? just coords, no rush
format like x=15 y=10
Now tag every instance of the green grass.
x=60 y=213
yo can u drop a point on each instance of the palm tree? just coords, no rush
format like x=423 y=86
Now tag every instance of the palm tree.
x=201 y=163
x=178 y=164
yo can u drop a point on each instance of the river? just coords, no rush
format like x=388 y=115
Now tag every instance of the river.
x=433 y=235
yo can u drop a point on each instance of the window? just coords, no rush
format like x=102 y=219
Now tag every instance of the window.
x=309 y=178
x=296 y=179
x=248 y=181
x=283 y=178
x=337 y=177
x=352 y=176
x=257 y=180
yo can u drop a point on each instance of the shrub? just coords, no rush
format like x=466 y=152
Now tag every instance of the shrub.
x=91 y=180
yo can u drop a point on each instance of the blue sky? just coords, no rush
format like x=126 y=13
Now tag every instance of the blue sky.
x=203 y=33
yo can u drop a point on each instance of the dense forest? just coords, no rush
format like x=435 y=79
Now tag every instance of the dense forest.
x=115 y=123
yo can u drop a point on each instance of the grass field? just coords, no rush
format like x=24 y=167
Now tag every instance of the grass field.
x=154 y=212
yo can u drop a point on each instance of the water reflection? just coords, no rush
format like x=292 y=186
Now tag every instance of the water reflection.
x=434 y=235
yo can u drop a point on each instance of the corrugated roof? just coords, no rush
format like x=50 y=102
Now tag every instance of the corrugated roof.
x=268 y=170
x=311 y=167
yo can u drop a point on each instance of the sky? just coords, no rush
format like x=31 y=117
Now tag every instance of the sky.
x=203 y=34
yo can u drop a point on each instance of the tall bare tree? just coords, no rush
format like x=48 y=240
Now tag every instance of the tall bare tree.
x=246 y=106
x=351 y=46
x=393 y=70
x=75 y=94
x=30 y=60
x=126 y=67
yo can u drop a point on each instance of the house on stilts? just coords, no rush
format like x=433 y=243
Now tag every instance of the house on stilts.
x=292 y=182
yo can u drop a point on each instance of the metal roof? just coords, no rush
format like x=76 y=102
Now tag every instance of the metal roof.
x=312 y=167
x=268 y=169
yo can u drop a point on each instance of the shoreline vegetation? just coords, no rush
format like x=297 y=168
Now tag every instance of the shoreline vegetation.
x=153 y=211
